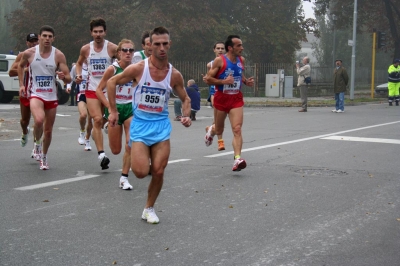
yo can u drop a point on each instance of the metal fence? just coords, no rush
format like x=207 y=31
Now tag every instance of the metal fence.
x=320 y=75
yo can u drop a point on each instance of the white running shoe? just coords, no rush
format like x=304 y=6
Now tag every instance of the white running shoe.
x=339 y=111
x=106 y=128
x=124 y=183
x=208 y=138
x=81 y=139
x=37 y=152
x=87 y=145
x=43 y=163
x=334 y=111
x=33 y=150
x=104 y=161
x=150 y=216
x=24 y=138
x=239 y=164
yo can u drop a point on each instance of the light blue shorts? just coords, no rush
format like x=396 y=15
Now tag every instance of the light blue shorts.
x=150 y=132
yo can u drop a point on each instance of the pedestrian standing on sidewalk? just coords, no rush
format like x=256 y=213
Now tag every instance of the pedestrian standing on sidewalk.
x=340 y=81
x=304 y=74
x=394 y=82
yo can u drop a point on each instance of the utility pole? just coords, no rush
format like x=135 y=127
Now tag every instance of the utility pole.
x=353 y=53
x=373 y=63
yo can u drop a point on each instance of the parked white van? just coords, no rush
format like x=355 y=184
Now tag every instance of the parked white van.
x=9 y=86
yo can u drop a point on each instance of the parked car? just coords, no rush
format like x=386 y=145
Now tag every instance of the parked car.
x=381 y=89
x=9 y=86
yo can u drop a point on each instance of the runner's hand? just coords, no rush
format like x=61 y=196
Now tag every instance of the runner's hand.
x=229 y=80
x=112 y=119
x=186 y=121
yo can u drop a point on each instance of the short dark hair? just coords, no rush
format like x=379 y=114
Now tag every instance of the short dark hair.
x=98 y=22
x=158 y=31
x=46 y=28
x=215 y=44
x=229 y=41
x=145 y=34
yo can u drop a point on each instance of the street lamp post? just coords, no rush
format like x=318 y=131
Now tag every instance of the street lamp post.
x=353 y=53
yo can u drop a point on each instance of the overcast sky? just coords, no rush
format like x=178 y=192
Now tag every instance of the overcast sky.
x=308 y=11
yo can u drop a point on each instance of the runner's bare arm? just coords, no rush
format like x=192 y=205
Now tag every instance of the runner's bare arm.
x=63 y=74
x=82 y=57
x=177 y=84
x=102 y=86
x=246 y=81
x=112 y=49
x=14 y=68
x=119 y=79
x=210 y=77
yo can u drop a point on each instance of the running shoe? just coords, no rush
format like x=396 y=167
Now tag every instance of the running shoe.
x=208 y=138
x=239 y=164
x=221 y=145
x=334 y=111
x=33 y=150
x=87 y=145
x=24 y=138
x=339 y=111
x=106 y=128
x=104 y=161
x=150 y=216
x=124 y=183
x=37 y=152
x=81 y=139
x=43 y=163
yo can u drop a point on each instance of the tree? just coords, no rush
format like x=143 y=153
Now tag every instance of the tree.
x=383 y=15
x=271 y=30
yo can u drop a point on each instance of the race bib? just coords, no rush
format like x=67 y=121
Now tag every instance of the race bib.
x=124 y=92
x=82 y=86
x=233 y=88
x=44 y=84
x=152 y=100
x=98 y=67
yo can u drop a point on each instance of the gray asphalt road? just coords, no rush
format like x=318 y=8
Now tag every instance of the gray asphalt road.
x=311 y=195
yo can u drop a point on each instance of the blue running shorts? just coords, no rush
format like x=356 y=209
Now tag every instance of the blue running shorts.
x=150 y=132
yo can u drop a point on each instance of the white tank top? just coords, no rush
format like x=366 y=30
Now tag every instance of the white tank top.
x=97 y=65
x=124 y=93
x=42 y=73
x=150 y=97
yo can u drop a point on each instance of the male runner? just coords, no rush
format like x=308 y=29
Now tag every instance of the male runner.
x=219 y=49
x=124 y=106
x=44 y=61
x=98 y=54
x=84 y=134
x=31 y=41
x=154 y=79
x=227 y=74
x=146 y=52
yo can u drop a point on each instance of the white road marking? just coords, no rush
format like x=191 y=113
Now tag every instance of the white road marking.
x=300 y=140
x=376 y=140
x=62 y=115
x=178 y=161
x=54 y=183
x=74 y=179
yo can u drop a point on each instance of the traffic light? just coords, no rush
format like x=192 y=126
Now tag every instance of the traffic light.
x=381 y=39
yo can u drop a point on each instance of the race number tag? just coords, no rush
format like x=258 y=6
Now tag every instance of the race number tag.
x=233 y=88
x=82 y=86
x=124 y=92
x=44 y=84
x=98 y=67
x=152 y=100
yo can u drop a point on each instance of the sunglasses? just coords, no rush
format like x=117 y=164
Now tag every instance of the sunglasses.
x=125 y=50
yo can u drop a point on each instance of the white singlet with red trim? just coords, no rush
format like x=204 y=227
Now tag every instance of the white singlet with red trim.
x=97 y=65
x=42 y=72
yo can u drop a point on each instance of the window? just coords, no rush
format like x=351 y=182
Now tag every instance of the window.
x=4 y=65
